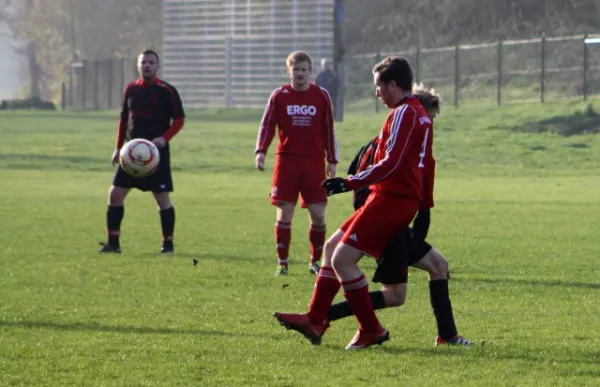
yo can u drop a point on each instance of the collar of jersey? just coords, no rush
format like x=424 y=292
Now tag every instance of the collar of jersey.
x=142 y=82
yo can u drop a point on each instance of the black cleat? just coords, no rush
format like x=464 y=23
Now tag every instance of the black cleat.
x=168 y=248
x=108 y=248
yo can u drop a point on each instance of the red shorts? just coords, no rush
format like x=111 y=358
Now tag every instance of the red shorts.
x=293 y=175
x=380 y=220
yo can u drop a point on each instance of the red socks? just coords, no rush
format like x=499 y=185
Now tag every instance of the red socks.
x=326 y=287
x=283 y=236
x=356 y=292
x=316 y=236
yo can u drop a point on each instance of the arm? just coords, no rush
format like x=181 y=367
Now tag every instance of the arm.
x=428 y=183
x=331 y=149
x=401 y=126
x=354 y=167
x=421 y=224
x=423 y=219
x=123 y=121
x=177 y=114
x=266 y=130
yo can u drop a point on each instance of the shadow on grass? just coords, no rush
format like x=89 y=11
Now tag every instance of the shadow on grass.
x=97 y=327
x=534 y=282
x=569 y=125
x=57 y=158
x=202 y=256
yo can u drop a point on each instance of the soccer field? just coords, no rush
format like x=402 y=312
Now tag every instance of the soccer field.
x=517 y=215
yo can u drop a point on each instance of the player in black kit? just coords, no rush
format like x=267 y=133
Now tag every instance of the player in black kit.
x=152 y=110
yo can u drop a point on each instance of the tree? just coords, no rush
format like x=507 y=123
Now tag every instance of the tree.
x=54 y=33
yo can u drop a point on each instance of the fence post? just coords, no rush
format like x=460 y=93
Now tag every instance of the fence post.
x=122 y=79
x=456 y=74
x=135 y=74
x=543 y=69
x=377 y=60
x=585 y=68
x=83 y=85
x=63 y=96
x=418 y=65
x=229 y=61
x=499 y=92
x=109 y=64
x=71 y=86
x=96 y=85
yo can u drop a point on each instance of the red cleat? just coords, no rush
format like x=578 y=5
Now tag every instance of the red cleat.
x=362 y=339
x=301 y=323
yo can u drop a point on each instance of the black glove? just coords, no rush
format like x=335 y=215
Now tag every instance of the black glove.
x=335 y=186
x=421 y=225
x=360 y=197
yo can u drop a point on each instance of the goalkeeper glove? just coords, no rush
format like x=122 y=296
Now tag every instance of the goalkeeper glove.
x=335 y=185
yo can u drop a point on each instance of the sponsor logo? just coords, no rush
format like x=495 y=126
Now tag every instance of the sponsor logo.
x=301 y=110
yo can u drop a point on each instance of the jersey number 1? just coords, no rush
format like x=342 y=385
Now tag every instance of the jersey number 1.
x=423 y=149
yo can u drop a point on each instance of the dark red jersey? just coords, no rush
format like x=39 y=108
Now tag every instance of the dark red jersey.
x=399 y=153
x=150 y=109
x=304 y=122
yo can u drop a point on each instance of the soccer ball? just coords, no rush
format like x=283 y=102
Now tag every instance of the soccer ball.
x=139 y=158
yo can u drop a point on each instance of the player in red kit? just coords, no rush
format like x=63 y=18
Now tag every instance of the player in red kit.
x=410 y=248
x=301 y=113
x=397 y=184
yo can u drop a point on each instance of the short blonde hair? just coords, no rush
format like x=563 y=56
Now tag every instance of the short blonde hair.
x=428 y=98
x=298 y=56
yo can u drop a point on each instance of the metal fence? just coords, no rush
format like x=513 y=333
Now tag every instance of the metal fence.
x=236 y=73
x=231 y=53
x=540 y=69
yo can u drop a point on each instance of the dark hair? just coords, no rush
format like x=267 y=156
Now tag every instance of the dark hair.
x=149 y=51
x=397 y=69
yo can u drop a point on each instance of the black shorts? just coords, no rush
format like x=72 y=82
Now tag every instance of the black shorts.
x=159 y=181
x=403 y=251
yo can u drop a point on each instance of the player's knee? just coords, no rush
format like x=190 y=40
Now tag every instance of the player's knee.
x=438 y=265
x=163 y=200
x=116 y=196
x=394 y=296
x=317 y=220
x=317 y=214
x=285 y=212
x=330 y=245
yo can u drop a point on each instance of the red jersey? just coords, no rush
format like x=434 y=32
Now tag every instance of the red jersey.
x=304 y=120
x=399 y=153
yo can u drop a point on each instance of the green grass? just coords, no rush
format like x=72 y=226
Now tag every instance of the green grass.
x=516 y=215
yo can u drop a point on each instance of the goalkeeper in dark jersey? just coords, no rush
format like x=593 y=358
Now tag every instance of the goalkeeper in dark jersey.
x=152 y=110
